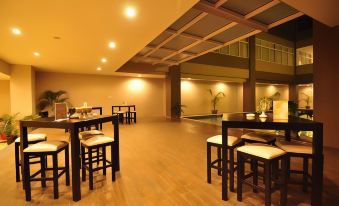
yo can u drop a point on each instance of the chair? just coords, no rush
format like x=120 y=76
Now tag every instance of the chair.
x=133 y=114
x=216 y=141
x=269 y=155
x=32 y=139
x=95 y=143
x=121 y=113
x=43 y=149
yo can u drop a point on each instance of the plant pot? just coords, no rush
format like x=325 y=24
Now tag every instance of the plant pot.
x=214 y=111
x=11 y=139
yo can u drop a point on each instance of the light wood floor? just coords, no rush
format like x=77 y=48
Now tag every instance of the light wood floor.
x=162 y=163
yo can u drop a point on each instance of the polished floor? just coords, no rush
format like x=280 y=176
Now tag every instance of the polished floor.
x=162 y=163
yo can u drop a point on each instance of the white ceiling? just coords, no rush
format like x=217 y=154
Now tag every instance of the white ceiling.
x=84 y=28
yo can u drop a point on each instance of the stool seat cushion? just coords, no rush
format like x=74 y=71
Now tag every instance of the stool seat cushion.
x=120 y=112
x=263 y=151
x=258 y=137
x=89 y=134
x=34 y=137
x=46 y=146
x=295 y=147
x=217 y=139
x=97 y=140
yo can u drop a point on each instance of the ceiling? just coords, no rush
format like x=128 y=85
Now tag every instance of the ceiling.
x=84 y=29
x=213 y=24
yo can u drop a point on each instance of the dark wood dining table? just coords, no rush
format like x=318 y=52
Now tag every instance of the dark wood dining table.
x=129 y=106
x=239 y=120
x=72 y=125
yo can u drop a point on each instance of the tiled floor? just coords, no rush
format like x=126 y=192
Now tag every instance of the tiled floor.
x=162 y=163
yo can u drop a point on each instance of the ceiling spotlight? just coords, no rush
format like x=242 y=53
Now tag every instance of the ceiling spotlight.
x=36 y=54
x=103 y=60
x=139 y=75
x=99 y=68
x=16 y=31
x=112 y=45
x=130 y=12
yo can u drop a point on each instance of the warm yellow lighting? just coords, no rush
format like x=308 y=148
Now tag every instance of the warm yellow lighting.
x=280 y=109
x=16 y=31
x=139 y=75
x=112 y=45
x=36 y=54
x=130 y=12
x=221 y=87
x=103 y=60
x=189 y=78
x=186 y=85
x=136 y=84
x=99 y=68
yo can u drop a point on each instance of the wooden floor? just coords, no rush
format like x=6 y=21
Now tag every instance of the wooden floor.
x=162 y=163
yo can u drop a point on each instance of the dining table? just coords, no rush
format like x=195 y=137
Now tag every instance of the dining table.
x=293 y=123
x=73 y=126
x=128 y=106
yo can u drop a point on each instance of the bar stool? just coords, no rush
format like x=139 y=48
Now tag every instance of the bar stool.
x=32 y=139
x=302 y=150
x=259 y=137
x=216 y=141
x=85 y=135
x=268 y=155
x=133 y=114
x=43 y=149
x=97 y=142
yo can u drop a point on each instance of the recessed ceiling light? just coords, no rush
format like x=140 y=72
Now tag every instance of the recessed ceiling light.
x=130 y=12
x=112 y=44
x=139 y=75
x=36 y=54
x=16 y=31
x=99 y=68
x=103 y=60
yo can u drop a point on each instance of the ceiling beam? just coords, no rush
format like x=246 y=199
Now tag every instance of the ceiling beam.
x=170 y=50
x=218 y=47
x=286 y=19
x=219 y=3
x=140 y=58
x=261 y=9
x=195 y=37
x=230 y=15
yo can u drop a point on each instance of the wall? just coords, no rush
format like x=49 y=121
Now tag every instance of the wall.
x=4 y=70
x=267 y=90
x=99 y=90
x=195 y=95
x=5 y=107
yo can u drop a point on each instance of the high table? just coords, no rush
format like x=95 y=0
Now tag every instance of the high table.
x=125 y=106
x=72 y=125
x=239 y=120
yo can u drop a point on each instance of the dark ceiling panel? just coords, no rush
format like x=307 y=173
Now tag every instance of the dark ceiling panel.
x=275 y=13
x=207 y=25
x=160 y=53
x=144 y=51
x=179 y=57
x=179 y=42
x=159 y=39
x=244 y=7
x=232 y=33
x=187 y=17
x=201 y=47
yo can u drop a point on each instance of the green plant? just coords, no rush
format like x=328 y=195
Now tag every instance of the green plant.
x=49 y=98
x=9 y=125
x=216 y=98
x=178 y=109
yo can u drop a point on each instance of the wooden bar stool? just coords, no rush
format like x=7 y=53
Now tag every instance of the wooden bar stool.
x=259 y=137
x=216 y=141
x=133 y=114
x=43 y=149
x=85 y=135
x=298 y=149
x=269 y=155
x=32 y=139
x=95 y=143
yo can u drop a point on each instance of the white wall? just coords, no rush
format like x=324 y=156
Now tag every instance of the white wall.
x=99 y=90
x=267 y=90
x=196 y=97
x=5 y=107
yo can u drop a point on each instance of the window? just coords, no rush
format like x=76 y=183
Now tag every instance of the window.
x=238 y=49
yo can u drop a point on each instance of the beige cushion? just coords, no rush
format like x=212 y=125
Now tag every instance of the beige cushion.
x=120 y=112
x=295 y=147
x=258 y=137
x=34 y=137
x=97 y=140
x=46 y=146
x=217 y=139
x=89 y=134
x=263 y=151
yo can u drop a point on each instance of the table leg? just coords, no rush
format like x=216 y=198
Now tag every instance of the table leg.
x=224 y=175
x=23 y=145
x=129 y=115
x=75 y=156
x=317 y=166
x=116 y=140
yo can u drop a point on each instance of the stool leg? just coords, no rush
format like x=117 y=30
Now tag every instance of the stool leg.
x=104 y=159
x=219 y=160
x=90 y=167
x=267 y=176
x=208 y=163
x=255 y=175
x=305 y=174
x=17 y=162
x=231 y=169
x=43 y=170
x=26 y=176
x=98 y=153
x=67 y=165
x=283 y=187
x=135 y=117
x=55 y=176
x=240 y=175
x=113 y=162
x=83 y=163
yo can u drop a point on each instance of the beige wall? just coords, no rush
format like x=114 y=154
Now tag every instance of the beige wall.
x=302 y=90
x=5 y=107
x=99 y=90
x=195 y=95
x=267 y=90
x=22 y=86
x=4 y=70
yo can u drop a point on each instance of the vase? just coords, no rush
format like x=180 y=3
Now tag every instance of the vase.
x=263 y=115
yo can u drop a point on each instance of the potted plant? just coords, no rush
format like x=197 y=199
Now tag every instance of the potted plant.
x=264 y=105
x=306 y=99
x=49 y=98
x=178 y=110
x=9 y=128
x=215 y=100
